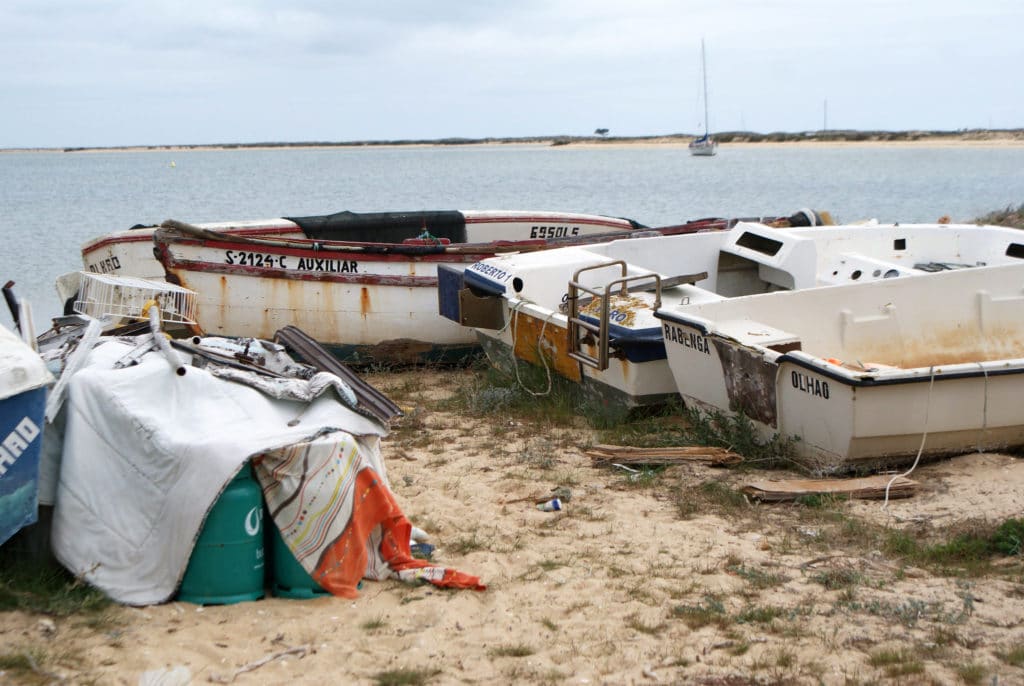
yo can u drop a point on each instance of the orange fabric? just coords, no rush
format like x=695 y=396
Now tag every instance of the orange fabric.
x=341 y=567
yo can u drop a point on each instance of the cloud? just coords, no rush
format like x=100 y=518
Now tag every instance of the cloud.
x=105 y=72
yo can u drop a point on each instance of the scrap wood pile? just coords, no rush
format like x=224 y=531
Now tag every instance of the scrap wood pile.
x=618 y=454
x=868 y=488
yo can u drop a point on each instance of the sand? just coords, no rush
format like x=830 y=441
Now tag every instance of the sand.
x=927 y=139
x=606 y=591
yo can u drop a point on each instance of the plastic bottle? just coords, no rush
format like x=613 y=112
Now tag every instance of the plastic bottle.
x=553 y=505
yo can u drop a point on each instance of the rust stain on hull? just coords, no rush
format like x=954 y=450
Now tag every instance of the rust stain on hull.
x=530 y=342
x=365 y=306
x=941 y=347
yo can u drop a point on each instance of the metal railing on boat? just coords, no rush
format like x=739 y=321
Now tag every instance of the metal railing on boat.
x=583 y=331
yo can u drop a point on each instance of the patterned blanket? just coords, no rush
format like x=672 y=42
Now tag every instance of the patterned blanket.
x=330 y=500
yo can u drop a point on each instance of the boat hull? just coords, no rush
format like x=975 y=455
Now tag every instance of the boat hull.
x=748 y=259
x=543 y=341
x=21 y=422
x=366 y=302
x=703 y=148
x=864 y=375
x=23 y=388
x=130 y=253
x=365 y=310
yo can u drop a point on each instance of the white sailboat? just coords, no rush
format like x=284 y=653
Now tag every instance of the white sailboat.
x=705 y=146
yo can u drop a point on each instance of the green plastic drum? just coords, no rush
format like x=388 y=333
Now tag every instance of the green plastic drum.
x=227 y=563
x=290 y=579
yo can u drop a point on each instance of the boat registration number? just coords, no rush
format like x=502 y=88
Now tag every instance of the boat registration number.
x=106 y=266
x=554 y=231
x=306 y=264
x=254 y=259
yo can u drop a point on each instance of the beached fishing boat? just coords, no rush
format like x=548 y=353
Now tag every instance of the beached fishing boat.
x=130 y=253
x=587 y=313
x=867 y=373
x=367 y=300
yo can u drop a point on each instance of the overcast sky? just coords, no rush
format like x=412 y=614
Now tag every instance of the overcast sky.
x=151 y=72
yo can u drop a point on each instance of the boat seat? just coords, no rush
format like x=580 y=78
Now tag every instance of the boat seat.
x=749 y=332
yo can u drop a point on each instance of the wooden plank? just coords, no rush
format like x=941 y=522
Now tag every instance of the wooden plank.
x=607 y=454
x=870 y=487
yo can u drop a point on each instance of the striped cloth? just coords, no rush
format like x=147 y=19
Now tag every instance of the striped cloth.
x=330 y=500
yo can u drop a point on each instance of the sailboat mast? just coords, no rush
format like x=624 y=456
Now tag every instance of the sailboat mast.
x=704 y=73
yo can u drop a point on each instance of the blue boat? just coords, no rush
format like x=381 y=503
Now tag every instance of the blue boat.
x=23 y=383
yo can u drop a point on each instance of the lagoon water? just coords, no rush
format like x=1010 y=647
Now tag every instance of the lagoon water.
x=52 y=202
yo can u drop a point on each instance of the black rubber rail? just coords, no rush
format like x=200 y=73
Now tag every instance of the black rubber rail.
x=371 y=401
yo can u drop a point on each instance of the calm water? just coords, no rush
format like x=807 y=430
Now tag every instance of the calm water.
x=53 y=202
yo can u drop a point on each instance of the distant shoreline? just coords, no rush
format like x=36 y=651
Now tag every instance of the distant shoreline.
x=967 y=138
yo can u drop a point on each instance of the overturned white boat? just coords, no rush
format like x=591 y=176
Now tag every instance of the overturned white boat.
x=587 y=312
x=863 y=374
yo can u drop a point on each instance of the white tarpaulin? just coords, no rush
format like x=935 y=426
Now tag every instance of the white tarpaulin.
x=147 y=453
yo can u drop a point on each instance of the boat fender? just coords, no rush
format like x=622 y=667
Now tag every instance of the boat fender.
x=805 y=217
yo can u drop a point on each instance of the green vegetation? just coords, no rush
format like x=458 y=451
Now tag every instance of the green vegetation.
x=737 y=433
x=709 y=497
x=757 y=578
x=511 y=650
x=1010 y=216
x=532 y=396
x=544 y=399
x=374 y=624
x=897 y=663
x=27 y=666
x=972 y=673
x=637 y=624
x=968 y=548
x=405 y=677
x=45 y=589
x=710 y=611
x=1014 y=656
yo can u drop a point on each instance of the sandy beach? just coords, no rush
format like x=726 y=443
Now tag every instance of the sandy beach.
x=667 y=580
x=972 y=139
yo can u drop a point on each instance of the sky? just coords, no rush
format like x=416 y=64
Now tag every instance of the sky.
x=82 y=73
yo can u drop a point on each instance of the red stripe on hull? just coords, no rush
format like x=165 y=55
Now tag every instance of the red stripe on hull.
x=180 y=269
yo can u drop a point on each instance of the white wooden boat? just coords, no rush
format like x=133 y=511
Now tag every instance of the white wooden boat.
x=130 y=253
x=863 y=374
x=367 y=300
x=565 y=309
